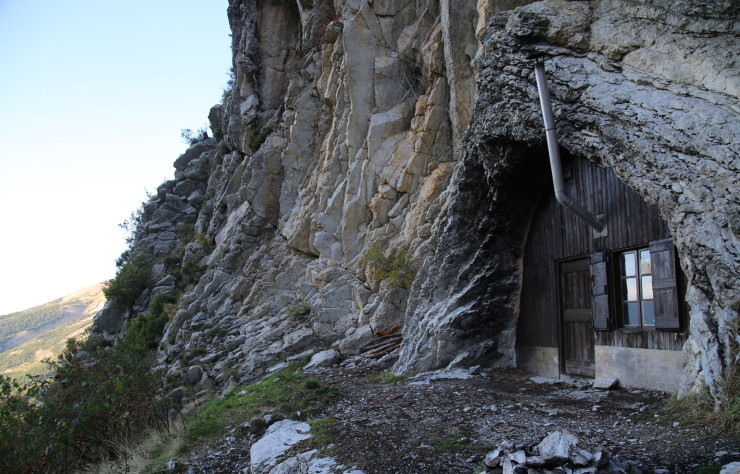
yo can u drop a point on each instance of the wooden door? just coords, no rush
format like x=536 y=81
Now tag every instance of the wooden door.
x=577 y=350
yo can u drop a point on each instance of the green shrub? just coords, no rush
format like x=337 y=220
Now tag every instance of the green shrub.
x=191 y=354
x=218 y=133
x=191 y=272
x=298 y=309
x=215 y=331
x=709 y=469
x=22 y=438
x=311 y=384
x=202 y=240
x=87 y=412
x=398 y=270
x=191 y=137
x=145 y=329
x=132 y=277
x=256 y=139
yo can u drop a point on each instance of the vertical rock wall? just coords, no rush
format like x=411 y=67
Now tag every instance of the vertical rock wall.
x=358 y=125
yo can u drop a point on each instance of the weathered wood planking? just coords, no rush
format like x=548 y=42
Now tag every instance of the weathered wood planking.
x=557 y=234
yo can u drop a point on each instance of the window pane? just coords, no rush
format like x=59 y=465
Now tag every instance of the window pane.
x=647 y=287
x=645 y=266
x=629 y=289
x=630 y=313
x=628 y=263
x=648 y=315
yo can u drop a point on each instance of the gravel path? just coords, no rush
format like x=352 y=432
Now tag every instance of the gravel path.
x=440 y=423
x=448 y=425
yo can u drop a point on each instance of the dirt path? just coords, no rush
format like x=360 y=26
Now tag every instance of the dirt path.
x=433 y=424
x=448 y=425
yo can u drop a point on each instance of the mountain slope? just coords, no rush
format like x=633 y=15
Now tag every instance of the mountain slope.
x=27 y=337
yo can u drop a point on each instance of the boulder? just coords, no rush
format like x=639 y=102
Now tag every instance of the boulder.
x=110 y=319
x=606 y=383
x=731 y=468
x=323 y=359
x=493 y=458
x=193 y=153
x=351 y=344
x=555 y=448
x=193 y=375
x=278 y=439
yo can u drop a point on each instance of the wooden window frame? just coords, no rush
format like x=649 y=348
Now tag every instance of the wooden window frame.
x=620 y=298
x=665 y=276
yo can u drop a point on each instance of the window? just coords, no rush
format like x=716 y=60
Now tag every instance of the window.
x=637 y=304
x=640 y=287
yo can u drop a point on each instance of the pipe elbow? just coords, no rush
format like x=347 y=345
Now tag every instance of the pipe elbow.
x=565 y=200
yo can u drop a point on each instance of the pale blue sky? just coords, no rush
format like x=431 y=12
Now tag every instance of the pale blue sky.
x=93 y=94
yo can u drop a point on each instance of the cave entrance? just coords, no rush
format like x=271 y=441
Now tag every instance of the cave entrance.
x=601 y=304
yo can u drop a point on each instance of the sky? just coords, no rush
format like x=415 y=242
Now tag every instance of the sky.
x=93 y=95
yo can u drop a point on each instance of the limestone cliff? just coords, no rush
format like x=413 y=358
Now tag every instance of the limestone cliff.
x=406 y=127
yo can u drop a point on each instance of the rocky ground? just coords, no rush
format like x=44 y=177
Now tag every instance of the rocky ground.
x=448 y=422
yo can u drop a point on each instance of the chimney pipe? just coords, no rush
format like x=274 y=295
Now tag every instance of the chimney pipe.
x=552 y=147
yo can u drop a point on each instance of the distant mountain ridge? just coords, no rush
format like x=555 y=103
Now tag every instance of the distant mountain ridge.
x=29 y=336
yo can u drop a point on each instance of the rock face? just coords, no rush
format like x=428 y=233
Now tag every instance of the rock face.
x=403 y=130
x=668 y=128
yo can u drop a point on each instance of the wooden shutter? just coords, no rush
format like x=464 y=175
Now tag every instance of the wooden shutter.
x=599 y=292
x=665 y=294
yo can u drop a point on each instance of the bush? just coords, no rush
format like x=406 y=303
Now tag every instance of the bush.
x=298 y=309
x=132 y=277
x=191 y=272
x=84 y=414
x=256 y=139
x=191 y=138
x=145 y=329
x=21 y=436
x=398 y=269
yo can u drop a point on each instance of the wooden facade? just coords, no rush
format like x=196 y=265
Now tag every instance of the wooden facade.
x=570 y=283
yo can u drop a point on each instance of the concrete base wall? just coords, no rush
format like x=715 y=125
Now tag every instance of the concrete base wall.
x=538 y=360
x=640 y=368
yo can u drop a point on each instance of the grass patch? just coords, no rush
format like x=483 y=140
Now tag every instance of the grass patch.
x=287 y=393
x=455 y=442
x=387 y=376
x=321 y=431
x=481 y=468
x=192 y=353
x=700 y=409
x=216 y=331
x=709 y=469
